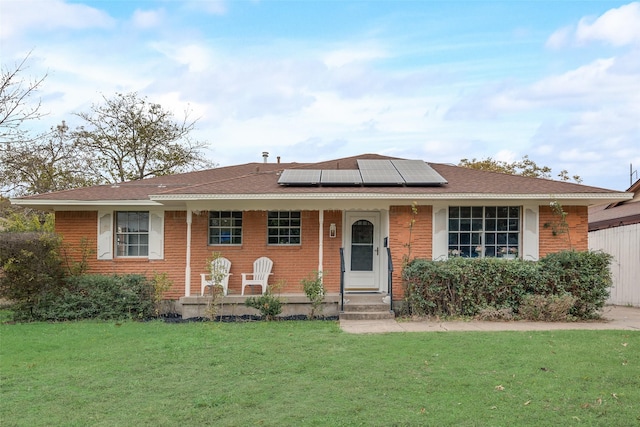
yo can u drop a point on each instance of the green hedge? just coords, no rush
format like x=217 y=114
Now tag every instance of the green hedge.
x=98 y=297
x=467 y=286
x=31 y=269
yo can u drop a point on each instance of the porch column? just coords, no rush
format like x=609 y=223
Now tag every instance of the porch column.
x=320 y=239
x=187 y=268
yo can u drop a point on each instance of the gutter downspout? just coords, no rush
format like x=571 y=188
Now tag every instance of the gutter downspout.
x=321 y=241
x=187 y=268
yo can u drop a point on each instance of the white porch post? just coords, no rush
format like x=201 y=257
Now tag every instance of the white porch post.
x=320 y=240
x=187 y=268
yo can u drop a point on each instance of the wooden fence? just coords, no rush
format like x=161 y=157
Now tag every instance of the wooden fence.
x=624 y=244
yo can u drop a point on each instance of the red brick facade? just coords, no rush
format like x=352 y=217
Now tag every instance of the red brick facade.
x=578 y=225
x=408 y=231
x=291 y=263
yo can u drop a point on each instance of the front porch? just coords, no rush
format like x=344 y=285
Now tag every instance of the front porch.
x=233 y=305
x=356 y=306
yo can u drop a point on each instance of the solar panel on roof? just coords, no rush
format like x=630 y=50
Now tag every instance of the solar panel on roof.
x=342 y=177
x=370 y=172
x=379 y=172
x=300 y=177
x=365 y=164
x=417 y=172
x=381 y=177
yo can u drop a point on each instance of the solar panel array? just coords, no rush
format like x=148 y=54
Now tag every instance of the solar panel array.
x=369 y=172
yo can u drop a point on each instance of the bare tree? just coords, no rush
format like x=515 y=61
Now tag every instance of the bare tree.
x=49 y=162
x=15 y=92
x=129 y=138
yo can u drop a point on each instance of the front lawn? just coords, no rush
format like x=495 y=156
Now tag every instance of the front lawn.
x=311 y=373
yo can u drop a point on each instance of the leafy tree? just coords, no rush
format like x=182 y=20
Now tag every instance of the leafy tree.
x=129 y=138
x=524 y=167
x=15 y=92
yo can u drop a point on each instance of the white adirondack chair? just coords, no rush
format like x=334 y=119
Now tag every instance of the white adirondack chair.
x=219 y=265
x=260 y=276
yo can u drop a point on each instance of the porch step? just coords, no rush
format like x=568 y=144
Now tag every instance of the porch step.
x=366 y=307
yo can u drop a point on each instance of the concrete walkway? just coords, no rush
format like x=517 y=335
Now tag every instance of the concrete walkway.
x=614 y=317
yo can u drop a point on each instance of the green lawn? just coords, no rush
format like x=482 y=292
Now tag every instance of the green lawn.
x=311 y=373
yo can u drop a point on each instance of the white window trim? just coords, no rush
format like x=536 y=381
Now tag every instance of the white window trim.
x=106 y=235
x=530 y=232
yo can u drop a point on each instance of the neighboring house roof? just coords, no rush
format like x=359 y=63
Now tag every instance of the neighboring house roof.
x=616 y=214
x=260 y=181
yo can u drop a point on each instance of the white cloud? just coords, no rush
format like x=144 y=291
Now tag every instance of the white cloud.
x=618 y=27
x=343 y=56
x=22 y=16
x=213 y=7
x=145 y=19
x=560 y=38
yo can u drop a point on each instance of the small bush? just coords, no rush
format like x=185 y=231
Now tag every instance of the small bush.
x=268 y=304
x=548 y=308
x=494 y=314
x=314 y=289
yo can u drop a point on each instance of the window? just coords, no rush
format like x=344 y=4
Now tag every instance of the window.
x=225 y=228
x=492 y=231
x=132 y=234
x=283 y=228
x=362 y=246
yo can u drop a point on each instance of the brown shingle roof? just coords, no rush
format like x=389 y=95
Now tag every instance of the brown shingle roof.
x=616 y=214
x=262 y=178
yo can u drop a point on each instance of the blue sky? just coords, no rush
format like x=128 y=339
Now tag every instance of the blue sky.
x=314 y=80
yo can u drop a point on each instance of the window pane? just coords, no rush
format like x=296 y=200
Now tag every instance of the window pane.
x=361 y=257
x=473 y=231
x=132 y=233
x=283 y=228
x=223 y=225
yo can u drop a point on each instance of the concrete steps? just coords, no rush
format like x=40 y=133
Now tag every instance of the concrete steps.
x=366 y=307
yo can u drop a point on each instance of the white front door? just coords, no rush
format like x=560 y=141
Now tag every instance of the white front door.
x=362 y=251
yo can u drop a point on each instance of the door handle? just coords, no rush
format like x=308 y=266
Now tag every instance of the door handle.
x=377 y=251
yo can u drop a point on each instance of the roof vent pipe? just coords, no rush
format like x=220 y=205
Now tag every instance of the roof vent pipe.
x=265 y=156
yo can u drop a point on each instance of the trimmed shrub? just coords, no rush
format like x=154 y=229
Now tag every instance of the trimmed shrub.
x=585 y=275
x=465 y=286
x=99 y=297
x=469 y=286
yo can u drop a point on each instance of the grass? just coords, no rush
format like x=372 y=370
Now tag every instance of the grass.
x=311 y=373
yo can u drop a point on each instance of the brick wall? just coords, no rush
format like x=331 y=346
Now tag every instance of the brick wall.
x=400 y=234
x=578 y=237
x=78 y=226
x=291 y=263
